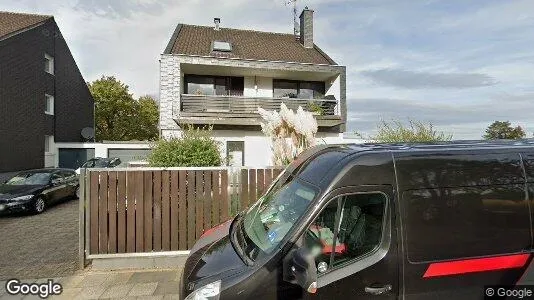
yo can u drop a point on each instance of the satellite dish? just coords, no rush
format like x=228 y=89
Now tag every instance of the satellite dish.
x=88 y=133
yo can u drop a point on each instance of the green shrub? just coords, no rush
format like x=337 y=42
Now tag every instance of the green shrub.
x=415 y=132
x=196 y=148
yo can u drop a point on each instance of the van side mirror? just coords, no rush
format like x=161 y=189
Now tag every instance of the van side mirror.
x=300 y=269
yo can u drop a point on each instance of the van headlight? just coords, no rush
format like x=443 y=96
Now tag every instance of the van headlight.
x=208 y=292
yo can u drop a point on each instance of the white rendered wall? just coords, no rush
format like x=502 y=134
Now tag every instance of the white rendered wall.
x=257 y=86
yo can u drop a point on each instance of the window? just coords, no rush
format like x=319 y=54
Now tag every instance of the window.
x=49 y=140
x=49 y=64
x=235 y=151
x=347 y=228
x=49 y=104
x=222 y=46
x=214 y=85
x=298 y=89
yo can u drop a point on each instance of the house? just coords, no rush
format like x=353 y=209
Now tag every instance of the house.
x=43 y=97
x=212 y=75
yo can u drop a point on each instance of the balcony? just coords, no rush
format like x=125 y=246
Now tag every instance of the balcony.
x=239 y=110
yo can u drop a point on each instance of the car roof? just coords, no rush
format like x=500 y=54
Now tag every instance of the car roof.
x=45 y=170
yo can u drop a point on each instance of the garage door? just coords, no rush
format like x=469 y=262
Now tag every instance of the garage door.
x=128 y=155
x=74 y=158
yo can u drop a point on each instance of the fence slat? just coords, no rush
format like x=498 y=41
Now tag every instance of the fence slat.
x=190 y=209
x=130 y=212
x=103 y=213
x=243 y=195
x=121 y=207
x=252 y=187
x=260 y=185
x=112 y=211
x=268 y=178
x=147 y=199
x=139 y=212
x=174 y=210
x=199 y=204
x=276 y=172
x=157 y=210
x=93 y=198
x=165 y=212
x=216 y=200
x=208 y=199
x=225 y=207
x=182 y=214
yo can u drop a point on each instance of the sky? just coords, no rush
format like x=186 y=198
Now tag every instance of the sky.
x=458 y=64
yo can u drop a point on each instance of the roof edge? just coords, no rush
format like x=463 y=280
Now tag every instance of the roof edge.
x=27 y=28
x=174 y=36
x=258 y=60
x=328 y=58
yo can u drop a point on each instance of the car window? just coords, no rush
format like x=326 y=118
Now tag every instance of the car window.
x=341 y=235
x=29 y=179
x=67 y=174
x=55 y=177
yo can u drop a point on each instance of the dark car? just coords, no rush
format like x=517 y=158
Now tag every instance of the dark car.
x=439 y=221
x=100 y=162
x=35 y=190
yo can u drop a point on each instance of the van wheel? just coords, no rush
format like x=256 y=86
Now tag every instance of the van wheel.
x=39 y=206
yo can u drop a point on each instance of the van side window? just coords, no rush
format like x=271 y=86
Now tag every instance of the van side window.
x=358 y=224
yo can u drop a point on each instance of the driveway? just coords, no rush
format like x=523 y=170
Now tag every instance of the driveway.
x=40 y=246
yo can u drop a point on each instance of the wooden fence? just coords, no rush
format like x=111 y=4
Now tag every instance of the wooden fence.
x=157 y=210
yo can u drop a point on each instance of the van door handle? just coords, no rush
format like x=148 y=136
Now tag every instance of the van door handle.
x=378 y=290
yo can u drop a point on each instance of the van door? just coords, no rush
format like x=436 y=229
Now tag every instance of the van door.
x=354 y=243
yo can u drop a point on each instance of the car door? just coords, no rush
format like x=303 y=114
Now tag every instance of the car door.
x=357 y=255
x=57 y=188
x=71 y=182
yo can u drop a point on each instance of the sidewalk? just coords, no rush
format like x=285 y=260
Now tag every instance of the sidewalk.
x=129 y=284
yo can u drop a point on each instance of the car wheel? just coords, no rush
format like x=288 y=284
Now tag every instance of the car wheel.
x=39 y=206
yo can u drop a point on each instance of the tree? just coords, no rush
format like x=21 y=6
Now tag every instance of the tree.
x=500 y=130
x=118 y=116
x=195 y=148
x=415 y=132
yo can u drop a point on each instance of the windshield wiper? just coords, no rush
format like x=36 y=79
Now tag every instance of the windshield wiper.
x=235 y=230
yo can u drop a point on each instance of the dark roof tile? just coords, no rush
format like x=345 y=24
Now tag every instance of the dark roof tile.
x=246 y=44
x=11 y=23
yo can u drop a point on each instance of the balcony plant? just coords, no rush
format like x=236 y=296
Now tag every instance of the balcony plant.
x=290 y=132
x=315 y=108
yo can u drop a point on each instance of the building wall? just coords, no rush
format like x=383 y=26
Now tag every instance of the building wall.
x=170 y=83
x=23 y=84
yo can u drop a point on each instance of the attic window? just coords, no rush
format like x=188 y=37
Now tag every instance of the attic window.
x=222 y=46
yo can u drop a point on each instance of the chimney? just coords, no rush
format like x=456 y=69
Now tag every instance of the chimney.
x=306 y=28
x=217 y=22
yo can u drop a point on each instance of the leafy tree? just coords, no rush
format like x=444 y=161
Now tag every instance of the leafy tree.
x=147 y=119
x=503 y=130
x=196 y=148
x=415 y=132
x=118 y=116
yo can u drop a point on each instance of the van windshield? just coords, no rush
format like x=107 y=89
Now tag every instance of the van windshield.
x=268 y=221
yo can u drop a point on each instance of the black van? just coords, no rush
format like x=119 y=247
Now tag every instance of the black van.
x=377 y=222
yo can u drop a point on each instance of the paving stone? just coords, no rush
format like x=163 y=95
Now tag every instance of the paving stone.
x=117 y=291
x=71 y=281
x=169 y=287
x=153 y=276
x=40 y=246
x=143 y=289
x=69 y=293
x=155 y=297
x=91 y=292
x=171 y=297
x=97 y=279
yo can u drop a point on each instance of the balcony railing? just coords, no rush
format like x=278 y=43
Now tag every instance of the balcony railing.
x=239 y=106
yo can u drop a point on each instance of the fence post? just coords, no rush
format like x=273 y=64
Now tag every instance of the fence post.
x=82 y=230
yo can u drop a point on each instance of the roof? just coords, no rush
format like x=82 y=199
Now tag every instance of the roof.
x=12 y=23
x=246 y=44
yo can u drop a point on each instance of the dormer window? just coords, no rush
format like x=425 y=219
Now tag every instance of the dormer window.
x=221 y=46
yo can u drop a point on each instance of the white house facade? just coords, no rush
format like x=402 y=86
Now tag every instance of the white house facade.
x=219 y=77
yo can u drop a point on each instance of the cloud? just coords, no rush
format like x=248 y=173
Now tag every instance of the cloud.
x=420 y=80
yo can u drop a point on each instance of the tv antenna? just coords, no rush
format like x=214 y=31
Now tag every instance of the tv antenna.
x=296 y=26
